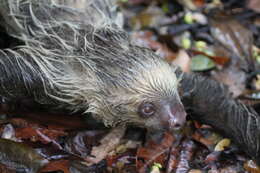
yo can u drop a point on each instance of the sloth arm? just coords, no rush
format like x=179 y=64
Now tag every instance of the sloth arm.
x=211 y=103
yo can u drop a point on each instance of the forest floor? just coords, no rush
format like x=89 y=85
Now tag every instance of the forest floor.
x=220 y=40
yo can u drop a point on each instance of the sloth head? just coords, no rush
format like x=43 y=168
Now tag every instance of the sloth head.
x=139 y=88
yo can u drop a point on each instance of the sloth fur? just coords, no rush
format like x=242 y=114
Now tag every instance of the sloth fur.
x=76 y=55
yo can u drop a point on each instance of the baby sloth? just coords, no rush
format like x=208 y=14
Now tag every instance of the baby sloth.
x=75 y=56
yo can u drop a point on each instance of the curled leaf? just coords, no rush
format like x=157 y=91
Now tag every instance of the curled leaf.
x=222 y=144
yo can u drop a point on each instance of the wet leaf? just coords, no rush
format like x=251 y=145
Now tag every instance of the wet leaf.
x=4 y=169
x=252 y=167
x=107 y=144
x=186 y=155
x=150 y=17
x=183 y=60
x=221 y=60
x=212 y=157
x=80 y=167
x=59 y=165
x=43 y=135
x=154 y=153
x=8 y=132
x=222 y=144
x=82 y=142
x=199 y=3
x=206 y=137
x=257 y=82
x=147 y=39
x=188 y=4
x=233 y=77
x=20 y=157
x=55 y=121
x=156 y=168
x=254 y=5
x=233 y=37
x=231 y=169
x=173 y=159
x=195 y=171
x=201 y=63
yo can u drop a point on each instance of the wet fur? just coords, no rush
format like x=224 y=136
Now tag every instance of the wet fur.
x=80 y=59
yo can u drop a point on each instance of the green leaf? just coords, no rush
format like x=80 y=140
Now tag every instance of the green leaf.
x=201 y=63
x=165 y=7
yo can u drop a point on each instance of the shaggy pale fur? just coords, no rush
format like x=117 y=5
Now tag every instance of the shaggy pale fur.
x=83 y=59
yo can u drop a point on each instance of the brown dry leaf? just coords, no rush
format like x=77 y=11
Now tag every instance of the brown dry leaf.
x=20 y=122
x=183 y=61
x=233 y=78
x=153 y=16
x=254 y=5
x=251 y=167
x=234 y=41
x=199 y=3
x=221 y=60
x=81 y=143
x=154 y=153
x=195 y=171
x=173 y=159
x=232 y=35
x=58 y=165
x=108 y=143
x=4 y=169
x=206 y=137
x=231 y=169
x=146 y=39
x=39 y=134
x=188 y=4
x=56 y=121
x=212 y=157
x=186 y=155
x=257 y=82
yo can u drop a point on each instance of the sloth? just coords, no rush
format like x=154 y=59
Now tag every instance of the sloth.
x=76 y=56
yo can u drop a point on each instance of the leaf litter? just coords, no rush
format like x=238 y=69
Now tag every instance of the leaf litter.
x=32 y=142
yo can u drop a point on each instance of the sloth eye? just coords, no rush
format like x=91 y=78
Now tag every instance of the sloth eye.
x=146 y=110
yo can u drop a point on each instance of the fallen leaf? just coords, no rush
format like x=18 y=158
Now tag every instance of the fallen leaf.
x=146 y=39
x=222 y=144
x=195 y=171
x=20 y=157
x=186 y=155
x=221 y=60
x=154 y=153
x=201 y=63
x=43 y=135
x=107 y=144
x=254 y=5
x=252 y=167
x=57 y=165
x=81 y=143
x=234 y=38
x=183 y=60
x=150 y=17
x=4 y=169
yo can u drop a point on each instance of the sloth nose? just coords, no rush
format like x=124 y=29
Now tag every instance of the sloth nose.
x=177 y=121
x=173 y=117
